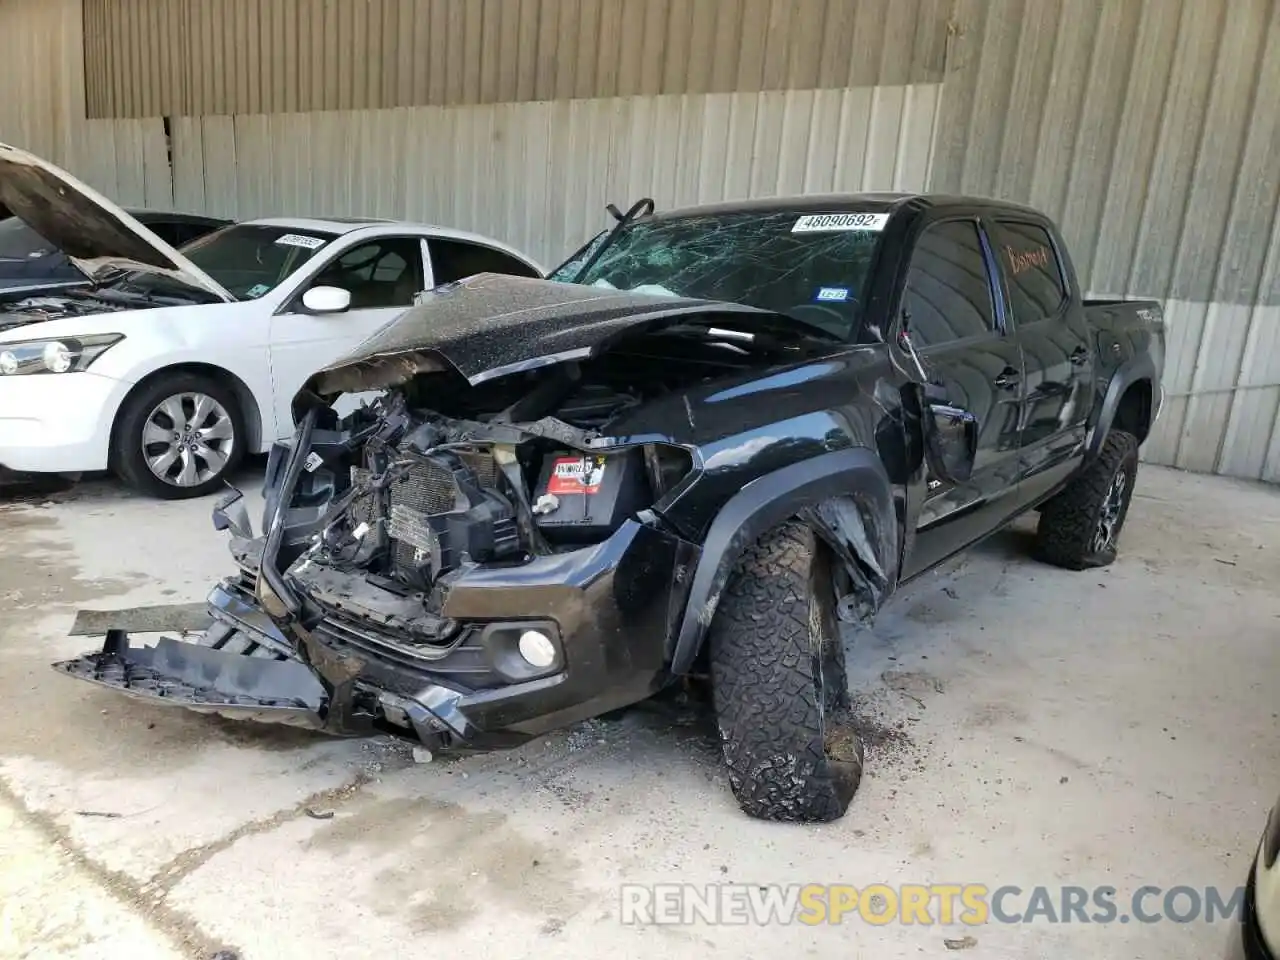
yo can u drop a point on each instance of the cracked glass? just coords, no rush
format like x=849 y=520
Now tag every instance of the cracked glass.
x=818 y=278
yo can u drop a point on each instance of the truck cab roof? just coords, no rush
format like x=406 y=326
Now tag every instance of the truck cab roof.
x=872 y=202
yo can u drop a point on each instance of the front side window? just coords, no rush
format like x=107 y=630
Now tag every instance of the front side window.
x=456 y=259
x=1031 y=269
x=948 y=292
x=383 y=273
x=813 y=268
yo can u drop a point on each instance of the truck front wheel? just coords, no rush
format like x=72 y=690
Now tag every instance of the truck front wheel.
x=1080 y=527
x=779 y=683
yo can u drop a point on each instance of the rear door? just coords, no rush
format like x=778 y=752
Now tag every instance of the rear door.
x=959 y=333
x=383 y=277
x=1057 y=351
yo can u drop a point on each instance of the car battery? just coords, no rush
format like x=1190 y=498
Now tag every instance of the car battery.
x=582 y=498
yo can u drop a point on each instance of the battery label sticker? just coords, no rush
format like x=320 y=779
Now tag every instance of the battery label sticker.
x=832 y=294
x=570 y=475
x=298 y=240
x=834 y=222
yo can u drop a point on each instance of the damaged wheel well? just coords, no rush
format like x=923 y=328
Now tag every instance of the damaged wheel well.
x=244 y=396
x=845 y=495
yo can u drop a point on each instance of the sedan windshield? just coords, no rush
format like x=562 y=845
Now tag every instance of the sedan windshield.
x=815 y=269
x=247 y=259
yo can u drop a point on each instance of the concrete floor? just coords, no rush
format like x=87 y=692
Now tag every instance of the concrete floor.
x=1028 y=726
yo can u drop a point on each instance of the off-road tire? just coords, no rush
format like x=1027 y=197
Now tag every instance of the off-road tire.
x=1069 y=521
x=779 y=684
x=127 y=460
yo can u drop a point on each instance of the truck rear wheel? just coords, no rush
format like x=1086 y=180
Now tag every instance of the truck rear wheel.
x=1080 y=527
x=779 y=683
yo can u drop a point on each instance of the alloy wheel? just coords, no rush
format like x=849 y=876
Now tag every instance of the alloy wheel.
x=188 y=439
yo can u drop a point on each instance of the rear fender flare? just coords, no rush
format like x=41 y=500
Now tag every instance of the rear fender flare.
x=820 y=491
x=1138 y=367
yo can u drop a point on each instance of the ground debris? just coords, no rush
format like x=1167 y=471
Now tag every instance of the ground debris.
x=964 y=943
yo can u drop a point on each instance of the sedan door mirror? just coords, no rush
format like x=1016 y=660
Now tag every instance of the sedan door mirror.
x=323 y=300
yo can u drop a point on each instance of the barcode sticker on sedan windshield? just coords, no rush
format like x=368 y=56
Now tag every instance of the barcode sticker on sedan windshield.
x=831 y=222
x=298 y=240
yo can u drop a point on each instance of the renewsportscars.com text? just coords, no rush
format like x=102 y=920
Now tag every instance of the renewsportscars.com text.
x=972 y=904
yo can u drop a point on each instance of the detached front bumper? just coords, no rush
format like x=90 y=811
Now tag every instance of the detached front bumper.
x=613 y=610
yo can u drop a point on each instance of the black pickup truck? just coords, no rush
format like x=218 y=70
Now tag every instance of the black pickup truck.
x=715 y=435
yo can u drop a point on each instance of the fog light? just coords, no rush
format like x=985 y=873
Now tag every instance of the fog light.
x=8 y=363
x=537 y=648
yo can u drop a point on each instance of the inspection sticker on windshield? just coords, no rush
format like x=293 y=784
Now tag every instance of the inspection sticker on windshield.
x=832 y=222
x=298 y=240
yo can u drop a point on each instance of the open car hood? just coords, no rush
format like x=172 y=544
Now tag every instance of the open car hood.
x=95 y=234
x=491 y=325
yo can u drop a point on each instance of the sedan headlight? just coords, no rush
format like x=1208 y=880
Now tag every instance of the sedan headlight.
x=63 y=355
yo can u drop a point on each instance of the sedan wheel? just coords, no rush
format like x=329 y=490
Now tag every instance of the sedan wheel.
x=188 y=439
x=179 y=435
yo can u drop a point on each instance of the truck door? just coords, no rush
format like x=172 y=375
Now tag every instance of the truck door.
x=950 y=304
x=1057 y=351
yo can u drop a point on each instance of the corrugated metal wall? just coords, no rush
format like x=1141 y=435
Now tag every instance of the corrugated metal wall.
x=42 y=107
x=539 y=174
x=1151 y=130
x=201 y=57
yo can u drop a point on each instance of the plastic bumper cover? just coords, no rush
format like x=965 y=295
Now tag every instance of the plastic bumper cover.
x=57 y=423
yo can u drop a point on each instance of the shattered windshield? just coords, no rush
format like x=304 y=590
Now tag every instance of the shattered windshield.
x=814 y=269
x=246 y=259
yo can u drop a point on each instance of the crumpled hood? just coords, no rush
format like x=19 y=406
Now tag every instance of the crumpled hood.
x=491 y=325
x=95 y=234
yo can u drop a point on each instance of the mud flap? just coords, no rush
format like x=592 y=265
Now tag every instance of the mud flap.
x=180 y=674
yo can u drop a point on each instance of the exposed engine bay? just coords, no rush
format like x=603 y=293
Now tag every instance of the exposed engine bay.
x=437 y=475
x=39 y=309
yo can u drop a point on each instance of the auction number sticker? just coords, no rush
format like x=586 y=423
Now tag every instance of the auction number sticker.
x=570 y=475
x=835 y=222
x=300 y=240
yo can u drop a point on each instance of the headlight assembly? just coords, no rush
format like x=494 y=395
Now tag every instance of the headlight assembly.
x=61 y=355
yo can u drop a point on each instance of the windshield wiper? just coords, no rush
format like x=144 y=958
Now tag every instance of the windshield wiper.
x=639 y=208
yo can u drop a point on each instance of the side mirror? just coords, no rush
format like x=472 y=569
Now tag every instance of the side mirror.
x=323 y=300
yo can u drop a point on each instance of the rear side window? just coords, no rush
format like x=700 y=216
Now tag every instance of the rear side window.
x=1032 y=270
x=456 y=260
x=948 y=292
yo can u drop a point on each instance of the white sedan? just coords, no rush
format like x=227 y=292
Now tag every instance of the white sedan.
x=172 y=365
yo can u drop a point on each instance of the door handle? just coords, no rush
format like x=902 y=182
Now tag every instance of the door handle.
x=1008 y=379
x=1079 y=356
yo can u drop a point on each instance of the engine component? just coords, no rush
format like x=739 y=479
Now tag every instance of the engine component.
x=439 y=515
x=592 y=494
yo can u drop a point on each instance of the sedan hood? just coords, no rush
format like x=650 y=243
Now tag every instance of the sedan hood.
x=491 y=325
x=95 y=234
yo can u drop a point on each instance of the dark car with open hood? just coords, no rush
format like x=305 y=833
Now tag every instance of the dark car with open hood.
x=32 y=266
x=715 y=436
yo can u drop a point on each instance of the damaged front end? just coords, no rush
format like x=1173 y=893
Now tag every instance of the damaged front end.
x=433 y=578
x=466 y=581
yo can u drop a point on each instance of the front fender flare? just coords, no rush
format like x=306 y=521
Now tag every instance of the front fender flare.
x=769 y=500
